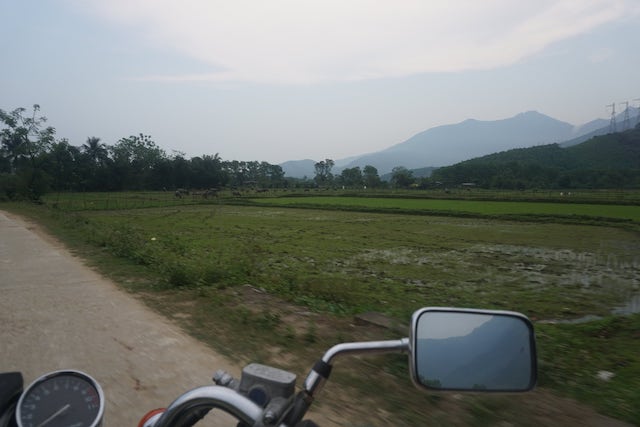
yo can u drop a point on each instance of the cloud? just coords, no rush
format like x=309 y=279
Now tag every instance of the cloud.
x=311 y=41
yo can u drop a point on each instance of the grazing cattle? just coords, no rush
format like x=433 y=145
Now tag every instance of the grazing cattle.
x=180 y=192
x=212 y=192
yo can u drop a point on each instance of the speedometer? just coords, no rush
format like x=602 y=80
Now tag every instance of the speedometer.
x=61 y=399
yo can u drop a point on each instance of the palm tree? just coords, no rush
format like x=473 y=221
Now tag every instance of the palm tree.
x=95 y=150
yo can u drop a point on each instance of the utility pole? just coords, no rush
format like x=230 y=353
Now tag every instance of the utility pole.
x=612 y=122
x=638 y=121
x=626 y=124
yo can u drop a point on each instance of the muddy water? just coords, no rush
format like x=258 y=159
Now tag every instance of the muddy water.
x=596 y=279
x=631 y=307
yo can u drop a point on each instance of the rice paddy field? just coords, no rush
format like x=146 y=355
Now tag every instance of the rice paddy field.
x=572 y=267
x=461 y=206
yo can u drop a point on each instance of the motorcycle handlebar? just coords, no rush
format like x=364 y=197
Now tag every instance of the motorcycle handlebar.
x=209 y=397
x=189 y=408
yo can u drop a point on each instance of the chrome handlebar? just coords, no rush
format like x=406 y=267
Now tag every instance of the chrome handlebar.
x=210 y=397
x=181 y=411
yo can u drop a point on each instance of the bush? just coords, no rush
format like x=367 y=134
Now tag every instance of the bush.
x=180 y=275
x=8 y=187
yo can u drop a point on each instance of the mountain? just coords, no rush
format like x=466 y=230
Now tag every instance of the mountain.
x=606 y=161
x=299 y=168
x=302 y=168
x=453 y=143
x=449 y=144
x=602 y=127
x=592 y=126
x=614 y=151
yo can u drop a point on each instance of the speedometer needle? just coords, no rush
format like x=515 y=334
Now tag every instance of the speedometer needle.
x=57 y=413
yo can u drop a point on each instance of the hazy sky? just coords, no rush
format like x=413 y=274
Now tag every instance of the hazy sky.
x=284 y=80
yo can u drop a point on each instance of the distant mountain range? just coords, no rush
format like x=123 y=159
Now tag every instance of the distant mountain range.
x=604 y=161
x=450 y=144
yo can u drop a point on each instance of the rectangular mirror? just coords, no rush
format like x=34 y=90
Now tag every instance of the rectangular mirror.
x=472 y=350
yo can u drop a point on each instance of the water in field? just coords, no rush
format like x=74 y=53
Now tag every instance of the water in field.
x=355 y=262
x=631 y=307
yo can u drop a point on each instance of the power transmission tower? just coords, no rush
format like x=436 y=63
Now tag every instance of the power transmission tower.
x=612 y=122
x=626 y=124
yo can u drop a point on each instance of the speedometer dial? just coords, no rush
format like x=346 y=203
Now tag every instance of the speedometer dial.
x=61 y=399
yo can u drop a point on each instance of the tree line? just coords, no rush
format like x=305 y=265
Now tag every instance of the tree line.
x=354 y=177
x=33 y=161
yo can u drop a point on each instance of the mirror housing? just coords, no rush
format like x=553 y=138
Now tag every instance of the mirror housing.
x=472 y=350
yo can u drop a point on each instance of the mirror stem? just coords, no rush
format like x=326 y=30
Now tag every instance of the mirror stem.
x=316 y=379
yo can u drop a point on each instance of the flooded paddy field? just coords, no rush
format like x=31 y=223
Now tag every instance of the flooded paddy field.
x=310 y=271
x=346 y=262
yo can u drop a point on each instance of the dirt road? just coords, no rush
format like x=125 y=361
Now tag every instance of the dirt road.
x=55 y=313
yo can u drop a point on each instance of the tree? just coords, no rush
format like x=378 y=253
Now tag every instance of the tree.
x=24 y=143
x=64 y=166
x=95 y=150
x=323 y=171
x=402 y=177
x=270 y=176
x=207 y=172
x=370 y=177
x=237 y=171
x=134 y=159
x=261 y=174
x=351 y=177
x=94 y=165
x=276 y=175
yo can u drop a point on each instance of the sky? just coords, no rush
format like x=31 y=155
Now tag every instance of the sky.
x=286 y=80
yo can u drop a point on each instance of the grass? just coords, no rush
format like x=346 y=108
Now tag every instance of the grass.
x=195 y=260
x=346 y=263
x=626 y=212
x=573 y=356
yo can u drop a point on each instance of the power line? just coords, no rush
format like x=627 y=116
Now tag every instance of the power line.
x=612 y=122
x=626 y=124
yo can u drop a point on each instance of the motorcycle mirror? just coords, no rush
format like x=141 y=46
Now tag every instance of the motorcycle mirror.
x=472 y=350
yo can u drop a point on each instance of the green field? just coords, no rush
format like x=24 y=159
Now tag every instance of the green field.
x=335 y=257
x=629 y=212
x=347 y=262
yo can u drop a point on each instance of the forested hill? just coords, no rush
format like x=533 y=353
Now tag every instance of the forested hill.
x=608 y=161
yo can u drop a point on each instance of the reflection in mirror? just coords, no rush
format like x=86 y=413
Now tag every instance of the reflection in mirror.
x=467 y=350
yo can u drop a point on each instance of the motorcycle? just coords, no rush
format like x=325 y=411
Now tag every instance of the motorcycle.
x=449 y=349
